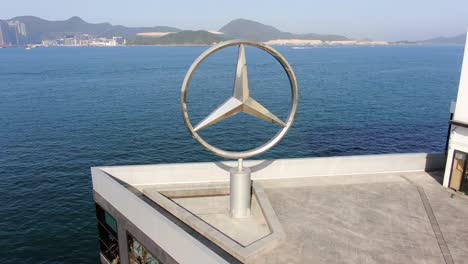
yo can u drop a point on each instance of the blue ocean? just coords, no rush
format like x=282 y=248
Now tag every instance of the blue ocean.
x=64 y=110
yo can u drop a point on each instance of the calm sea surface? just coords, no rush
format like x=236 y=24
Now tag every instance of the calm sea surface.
x=64 y=110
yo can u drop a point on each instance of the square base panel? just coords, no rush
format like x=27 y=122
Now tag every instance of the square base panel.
x=214 y=210
x=206 y=209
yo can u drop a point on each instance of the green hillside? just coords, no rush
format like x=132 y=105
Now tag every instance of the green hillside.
x=459 y=39
x=255 y=31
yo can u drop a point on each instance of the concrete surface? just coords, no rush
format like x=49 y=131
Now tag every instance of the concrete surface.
x=215 y=211
x=451 y=211
x=403 y=217
x=376 y=222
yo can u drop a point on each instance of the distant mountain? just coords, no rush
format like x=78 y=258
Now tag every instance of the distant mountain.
x=38 y=29
x=255 y=31
x=459 y=39
x=186 y=37
x=24 y=30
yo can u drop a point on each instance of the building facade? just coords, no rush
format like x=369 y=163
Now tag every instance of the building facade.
x=456 y=170
x=13 y=33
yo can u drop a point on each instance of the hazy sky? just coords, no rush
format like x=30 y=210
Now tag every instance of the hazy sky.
x=376 y=19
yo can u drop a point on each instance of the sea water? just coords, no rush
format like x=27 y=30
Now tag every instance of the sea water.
x=64 y=110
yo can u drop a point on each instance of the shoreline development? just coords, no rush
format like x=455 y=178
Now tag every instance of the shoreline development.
x=286 y=44
x=317 y=42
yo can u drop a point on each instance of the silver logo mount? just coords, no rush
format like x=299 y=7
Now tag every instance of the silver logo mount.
x=241 y=101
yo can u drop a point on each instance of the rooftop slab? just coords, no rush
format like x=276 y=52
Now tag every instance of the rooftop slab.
x=391 y=212
x=352 y=222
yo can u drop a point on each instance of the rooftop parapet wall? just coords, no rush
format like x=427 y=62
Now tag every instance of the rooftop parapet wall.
x=211 y=172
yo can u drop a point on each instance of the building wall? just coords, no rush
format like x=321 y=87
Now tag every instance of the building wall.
x=169 y=236
x=1 y=38
x=458 y=141
x=458 y=134
x=124 y=226
x=12 y=33
x=3 y=34
x=461 y=110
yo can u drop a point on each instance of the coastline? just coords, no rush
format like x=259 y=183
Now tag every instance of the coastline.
x=298 y=46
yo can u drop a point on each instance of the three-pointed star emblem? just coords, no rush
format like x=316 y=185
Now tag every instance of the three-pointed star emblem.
x=241 y=101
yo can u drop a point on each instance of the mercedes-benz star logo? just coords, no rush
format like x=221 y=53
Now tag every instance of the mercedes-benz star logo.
x=241 y=101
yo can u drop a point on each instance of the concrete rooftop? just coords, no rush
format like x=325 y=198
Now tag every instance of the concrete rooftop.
x=383 y=218
x=396 y=218
x=376 y=216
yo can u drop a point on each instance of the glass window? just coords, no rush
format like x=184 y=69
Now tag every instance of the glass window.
x=137 y=253
x=110 y=221
x=108 y=239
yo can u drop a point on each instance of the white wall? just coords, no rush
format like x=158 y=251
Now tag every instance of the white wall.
x=210 y=172
x=461 y=110
x=459 y=135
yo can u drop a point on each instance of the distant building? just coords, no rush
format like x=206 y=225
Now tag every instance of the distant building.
x=294 y=42
x=154 y=34
x=84 y=40
x=317 y=42
x=13 y=33
x=18 y=26
x=2 y=44
x=70 y=42
x=47 y=43
x=119 y=41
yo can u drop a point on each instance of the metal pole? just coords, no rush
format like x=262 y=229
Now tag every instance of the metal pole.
x=241 y=191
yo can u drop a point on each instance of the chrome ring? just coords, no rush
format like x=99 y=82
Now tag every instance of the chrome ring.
x=272 y=142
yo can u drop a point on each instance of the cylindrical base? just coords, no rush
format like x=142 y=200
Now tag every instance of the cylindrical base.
x=240 y=193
